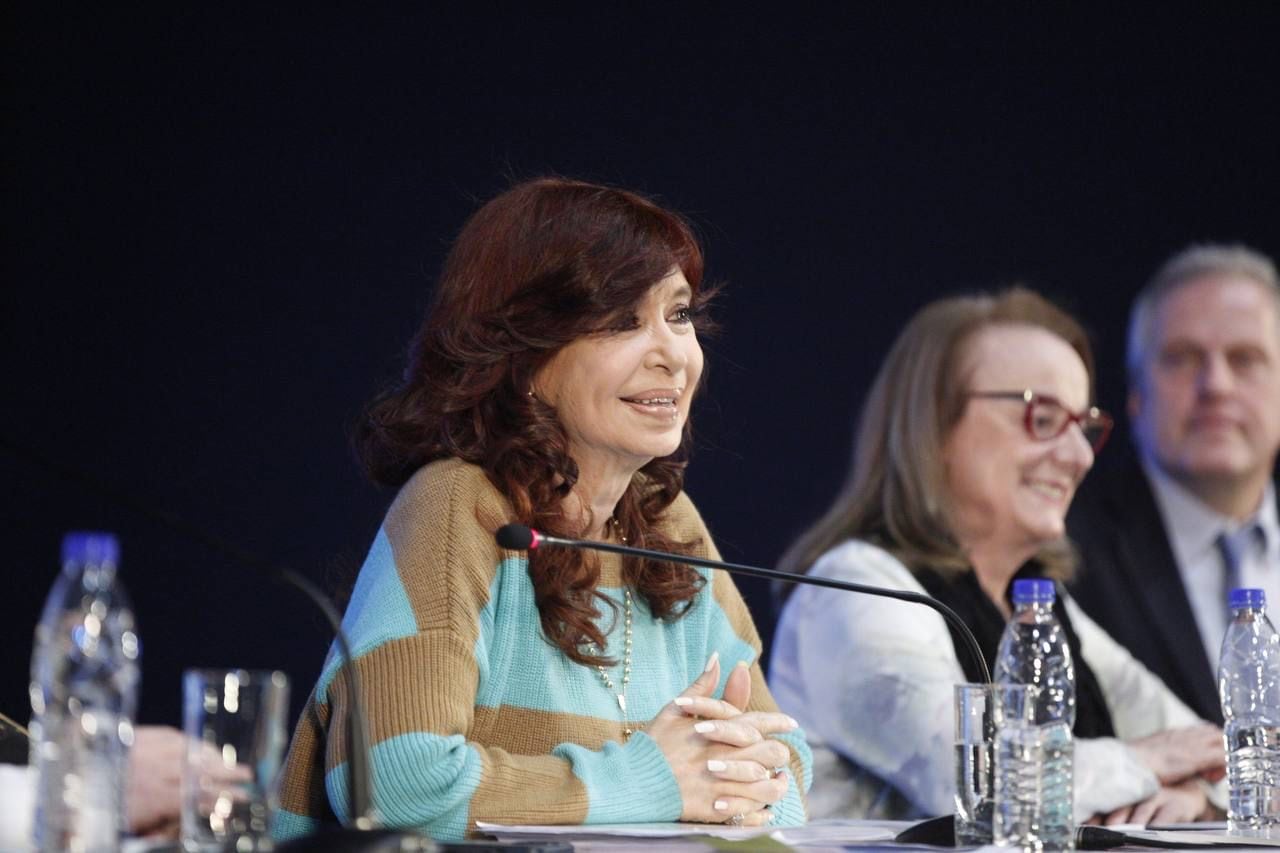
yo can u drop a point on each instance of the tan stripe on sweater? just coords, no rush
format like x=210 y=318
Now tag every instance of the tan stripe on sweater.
x=407 y=683
x=507 y=794
x=303 y=792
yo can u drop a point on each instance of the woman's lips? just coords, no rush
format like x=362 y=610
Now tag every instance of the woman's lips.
x=662 y=403
x=1056 y=492
x=653 y=407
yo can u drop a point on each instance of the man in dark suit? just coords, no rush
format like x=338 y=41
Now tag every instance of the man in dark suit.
x=1166 y=532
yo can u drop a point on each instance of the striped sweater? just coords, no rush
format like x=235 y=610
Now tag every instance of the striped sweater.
x=473 y=714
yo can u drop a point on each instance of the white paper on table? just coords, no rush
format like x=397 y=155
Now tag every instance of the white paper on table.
x=1201 y=838
x=1197 y=826
x=1203 y=834
x=817 y=832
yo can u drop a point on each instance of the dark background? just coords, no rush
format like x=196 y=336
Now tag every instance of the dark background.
x=220 y=229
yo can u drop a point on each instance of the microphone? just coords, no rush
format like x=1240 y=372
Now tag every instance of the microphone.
x=517 y=537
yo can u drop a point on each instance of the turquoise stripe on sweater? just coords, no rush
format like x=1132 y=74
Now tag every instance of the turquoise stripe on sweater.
x=424 y=780
x=614 y=777
x=789 y=811
x=379 y=610
x=287 y=824
x=666 y=656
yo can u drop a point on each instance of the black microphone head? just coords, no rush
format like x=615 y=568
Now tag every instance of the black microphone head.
x=936 y=832
x=516 y=537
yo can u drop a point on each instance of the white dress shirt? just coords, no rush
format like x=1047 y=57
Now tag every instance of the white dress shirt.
x=872 y=682
x=1193 y=529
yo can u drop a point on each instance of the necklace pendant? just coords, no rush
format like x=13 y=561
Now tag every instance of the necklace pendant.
x=622 y=702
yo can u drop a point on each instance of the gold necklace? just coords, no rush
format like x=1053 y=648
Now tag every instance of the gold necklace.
x=620 y=695
x=617 y=529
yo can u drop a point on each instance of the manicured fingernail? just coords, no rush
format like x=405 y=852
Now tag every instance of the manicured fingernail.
x=721 y=806
x=703 y=727
x=742 y=664
x=711 y=661
x=792 y=721
x=772 y=817
x=682 y=701
x=716 y=766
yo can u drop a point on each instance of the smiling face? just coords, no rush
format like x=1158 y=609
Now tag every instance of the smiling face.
x=1206 y=408
x=623 y=396
x=1009 y=492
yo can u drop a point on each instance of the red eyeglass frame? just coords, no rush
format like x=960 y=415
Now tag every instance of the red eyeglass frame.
x=1104 y=421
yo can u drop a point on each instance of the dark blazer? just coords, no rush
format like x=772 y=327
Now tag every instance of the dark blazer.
x=1128 y=581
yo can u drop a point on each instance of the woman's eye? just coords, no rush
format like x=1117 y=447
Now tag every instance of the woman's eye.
x=683 y=315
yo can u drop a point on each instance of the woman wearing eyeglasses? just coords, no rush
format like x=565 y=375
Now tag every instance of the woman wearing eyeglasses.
x=971 y=443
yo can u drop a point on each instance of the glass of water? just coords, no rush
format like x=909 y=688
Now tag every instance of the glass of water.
x=975 y=738
x=234 y=720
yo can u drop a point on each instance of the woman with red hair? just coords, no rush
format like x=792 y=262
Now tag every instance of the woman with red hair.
x=549 y=385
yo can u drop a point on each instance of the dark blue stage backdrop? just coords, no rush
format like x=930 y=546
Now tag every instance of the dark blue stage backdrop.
x=220 y=229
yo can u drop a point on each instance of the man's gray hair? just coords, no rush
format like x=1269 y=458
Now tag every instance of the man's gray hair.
x=1193 y=262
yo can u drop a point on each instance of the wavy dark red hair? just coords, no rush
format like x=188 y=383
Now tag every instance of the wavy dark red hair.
x=541 y=265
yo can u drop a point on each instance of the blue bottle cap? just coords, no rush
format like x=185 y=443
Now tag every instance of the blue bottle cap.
x=90 y=547
x=1244 y=597
x=1029 y=590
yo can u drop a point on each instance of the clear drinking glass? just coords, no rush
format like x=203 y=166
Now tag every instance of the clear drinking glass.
x=975 y=741
x=234 y=720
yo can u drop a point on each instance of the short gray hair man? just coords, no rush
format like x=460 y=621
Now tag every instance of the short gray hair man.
x=1165 y=537
x=1194 y=262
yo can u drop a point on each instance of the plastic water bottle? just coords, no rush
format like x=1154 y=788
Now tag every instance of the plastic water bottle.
x=1249 y=687
x=84 y=684
x=1033 y=786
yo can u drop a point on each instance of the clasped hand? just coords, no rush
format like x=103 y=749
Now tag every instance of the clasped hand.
x=727 y=767
x=1179 y=758
x=153 y=799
